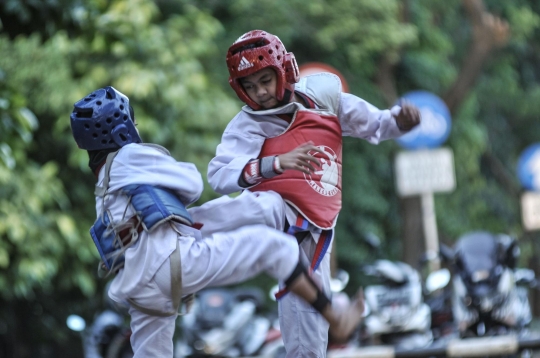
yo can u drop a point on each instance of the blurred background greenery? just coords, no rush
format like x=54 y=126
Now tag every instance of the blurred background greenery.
x=168 y=56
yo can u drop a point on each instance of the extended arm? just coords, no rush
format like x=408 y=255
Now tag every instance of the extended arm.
x=361 y=119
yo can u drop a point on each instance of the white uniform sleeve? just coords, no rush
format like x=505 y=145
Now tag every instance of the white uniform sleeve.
x=137 y=164
x=232 y=155
x=361 y=119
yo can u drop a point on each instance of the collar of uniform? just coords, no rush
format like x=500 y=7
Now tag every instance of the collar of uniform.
x=288 y=108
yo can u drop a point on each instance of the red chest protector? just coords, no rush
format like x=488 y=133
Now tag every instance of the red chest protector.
x=317 y=196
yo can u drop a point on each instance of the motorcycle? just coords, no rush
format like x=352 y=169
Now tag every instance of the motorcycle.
x=490 y=295
x=221 y=323
x=396 y=313
x=224 y=323
x=107 y=337
x=438 y=296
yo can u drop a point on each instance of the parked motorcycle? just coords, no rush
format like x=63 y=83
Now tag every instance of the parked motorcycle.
x=107 y=336
x=395 y=311
x=224 y=323
x=490 y=295
x=221 y=323
x=438 y=296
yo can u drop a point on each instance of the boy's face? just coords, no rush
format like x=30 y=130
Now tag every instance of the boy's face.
x=261 y=87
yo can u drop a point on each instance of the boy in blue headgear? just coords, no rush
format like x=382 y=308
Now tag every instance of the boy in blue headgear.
x=146 y=236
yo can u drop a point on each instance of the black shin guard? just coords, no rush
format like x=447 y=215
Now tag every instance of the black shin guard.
x=298 y=270
x=322 y=300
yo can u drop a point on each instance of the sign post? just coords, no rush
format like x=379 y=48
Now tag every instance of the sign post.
x=425 y=170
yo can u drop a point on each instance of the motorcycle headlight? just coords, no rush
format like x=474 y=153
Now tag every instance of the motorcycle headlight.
x=479 y=275
x=200 y=345
x=486 y=303
x=506 y=282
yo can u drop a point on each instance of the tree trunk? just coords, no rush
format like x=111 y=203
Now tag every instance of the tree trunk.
x=412 y=232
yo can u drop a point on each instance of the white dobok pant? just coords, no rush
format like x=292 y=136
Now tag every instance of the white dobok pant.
x=216 y=258
x=304 y=330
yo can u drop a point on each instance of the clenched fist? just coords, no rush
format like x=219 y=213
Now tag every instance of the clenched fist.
x=408 y=117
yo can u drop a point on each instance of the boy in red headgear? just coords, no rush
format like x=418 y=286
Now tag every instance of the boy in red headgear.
x=288 y=140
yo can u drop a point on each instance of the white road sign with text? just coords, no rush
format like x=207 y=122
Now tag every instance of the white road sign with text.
x=530 y=210
x=425 y=171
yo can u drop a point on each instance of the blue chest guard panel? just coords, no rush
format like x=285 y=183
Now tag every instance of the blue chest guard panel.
x=104 y=238
x=153 y=206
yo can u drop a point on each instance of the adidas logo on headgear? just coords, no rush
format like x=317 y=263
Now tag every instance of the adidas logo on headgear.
x=244 y=63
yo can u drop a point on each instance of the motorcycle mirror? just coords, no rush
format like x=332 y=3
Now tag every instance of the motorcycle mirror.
x=372 y=240
x=446 y=252
x=390 y=270
x=524 y=276
x=340 y=281
x=273 y=292
x=437 y=280
x=76 y=323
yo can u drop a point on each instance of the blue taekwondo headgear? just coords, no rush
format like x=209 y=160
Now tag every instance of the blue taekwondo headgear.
x=102 y=120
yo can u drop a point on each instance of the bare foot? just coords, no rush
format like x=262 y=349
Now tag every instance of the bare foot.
x=346 y=320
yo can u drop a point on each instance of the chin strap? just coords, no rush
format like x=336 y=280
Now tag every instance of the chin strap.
x=287 y=96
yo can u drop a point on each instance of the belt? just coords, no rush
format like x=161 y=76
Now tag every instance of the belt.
x=300 y=235
x=125 y=234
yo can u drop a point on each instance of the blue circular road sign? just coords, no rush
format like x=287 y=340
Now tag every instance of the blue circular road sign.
x=436 y=122
x=528 y=168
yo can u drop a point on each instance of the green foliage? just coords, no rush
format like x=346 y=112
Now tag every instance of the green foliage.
x=168 y=57
x=37 y=236
x=160 y=66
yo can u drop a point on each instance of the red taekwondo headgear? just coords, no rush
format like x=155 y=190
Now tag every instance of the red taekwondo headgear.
x=254 y=51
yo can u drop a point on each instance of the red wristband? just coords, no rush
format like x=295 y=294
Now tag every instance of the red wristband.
x=252 y=172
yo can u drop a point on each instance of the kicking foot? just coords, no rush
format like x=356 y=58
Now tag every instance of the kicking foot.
x=346 y=320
